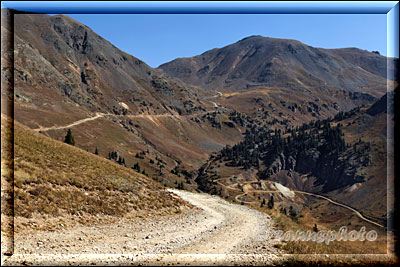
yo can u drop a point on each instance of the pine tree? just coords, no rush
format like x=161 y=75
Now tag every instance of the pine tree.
x=69 y=138
x=292 y=212
x=136 y=167
x=315 y=228
x=271 y=203
x=180 y=185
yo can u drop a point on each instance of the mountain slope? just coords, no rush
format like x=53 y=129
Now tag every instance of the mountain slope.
x=68 y=59
x=369 y=61
x=64 y=73
x=58 y=183
x=262 y=61
x=344 y=158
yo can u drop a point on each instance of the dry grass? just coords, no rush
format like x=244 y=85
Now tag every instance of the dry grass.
x=337 y=253
x=285 y=223
x=55 y=180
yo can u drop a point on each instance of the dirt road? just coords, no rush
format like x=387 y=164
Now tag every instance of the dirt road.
x=132 y=116
x=218 y=232
x=151 y=117
x=238 y=199
x=342 y=205
x=44 y=129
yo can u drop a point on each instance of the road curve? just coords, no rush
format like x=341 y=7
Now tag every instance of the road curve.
x=342 y=205
x=237 y=198
x=218 y=231
x=239 y=226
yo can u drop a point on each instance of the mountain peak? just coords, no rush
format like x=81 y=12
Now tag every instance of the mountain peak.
x=252 y=37
x=257 y=61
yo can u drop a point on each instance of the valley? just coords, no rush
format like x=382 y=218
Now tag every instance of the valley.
x=202 y=156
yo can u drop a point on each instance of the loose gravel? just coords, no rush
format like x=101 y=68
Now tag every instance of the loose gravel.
x=218 y=233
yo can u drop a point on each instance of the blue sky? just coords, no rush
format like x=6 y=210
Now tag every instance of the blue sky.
x=159 y=38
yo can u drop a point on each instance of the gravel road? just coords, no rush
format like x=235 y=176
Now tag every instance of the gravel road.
x=217 y=233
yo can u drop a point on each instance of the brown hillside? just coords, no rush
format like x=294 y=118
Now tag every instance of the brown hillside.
x=58 y=183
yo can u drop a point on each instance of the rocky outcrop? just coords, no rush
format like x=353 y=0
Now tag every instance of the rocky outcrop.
x=331 y=170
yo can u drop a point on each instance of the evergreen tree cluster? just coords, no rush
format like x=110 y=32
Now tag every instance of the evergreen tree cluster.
x=345 y=115
x=140 y=155
x=318 y=148
x=262 y=144
x=240 y=119
x=179 y=170
x=114 y=155
x=248 y=152
x=212 y=118
x=136 y=167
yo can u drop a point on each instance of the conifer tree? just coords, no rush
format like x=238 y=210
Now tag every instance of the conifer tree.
x=315 y=228
x=69 y=138
x=136 y=167
x=271 y=202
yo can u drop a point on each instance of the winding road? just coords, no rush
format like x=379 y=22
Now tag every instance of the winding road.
x=215 y=96
x=217 y=227
x=342 y=205
x=237 y=198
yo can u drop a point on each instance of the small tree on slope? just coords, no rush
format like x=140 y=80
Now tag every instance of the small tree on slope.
x=69 y=138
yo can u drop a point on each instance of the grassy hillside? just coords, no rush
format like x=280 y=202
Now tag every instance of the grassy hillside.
x=58 y=185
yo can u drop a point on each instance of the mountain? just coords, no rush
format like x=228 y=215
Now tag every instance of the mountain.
x=65 y=73
x=285 y=81
x=67 y=59
x=262 y=61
